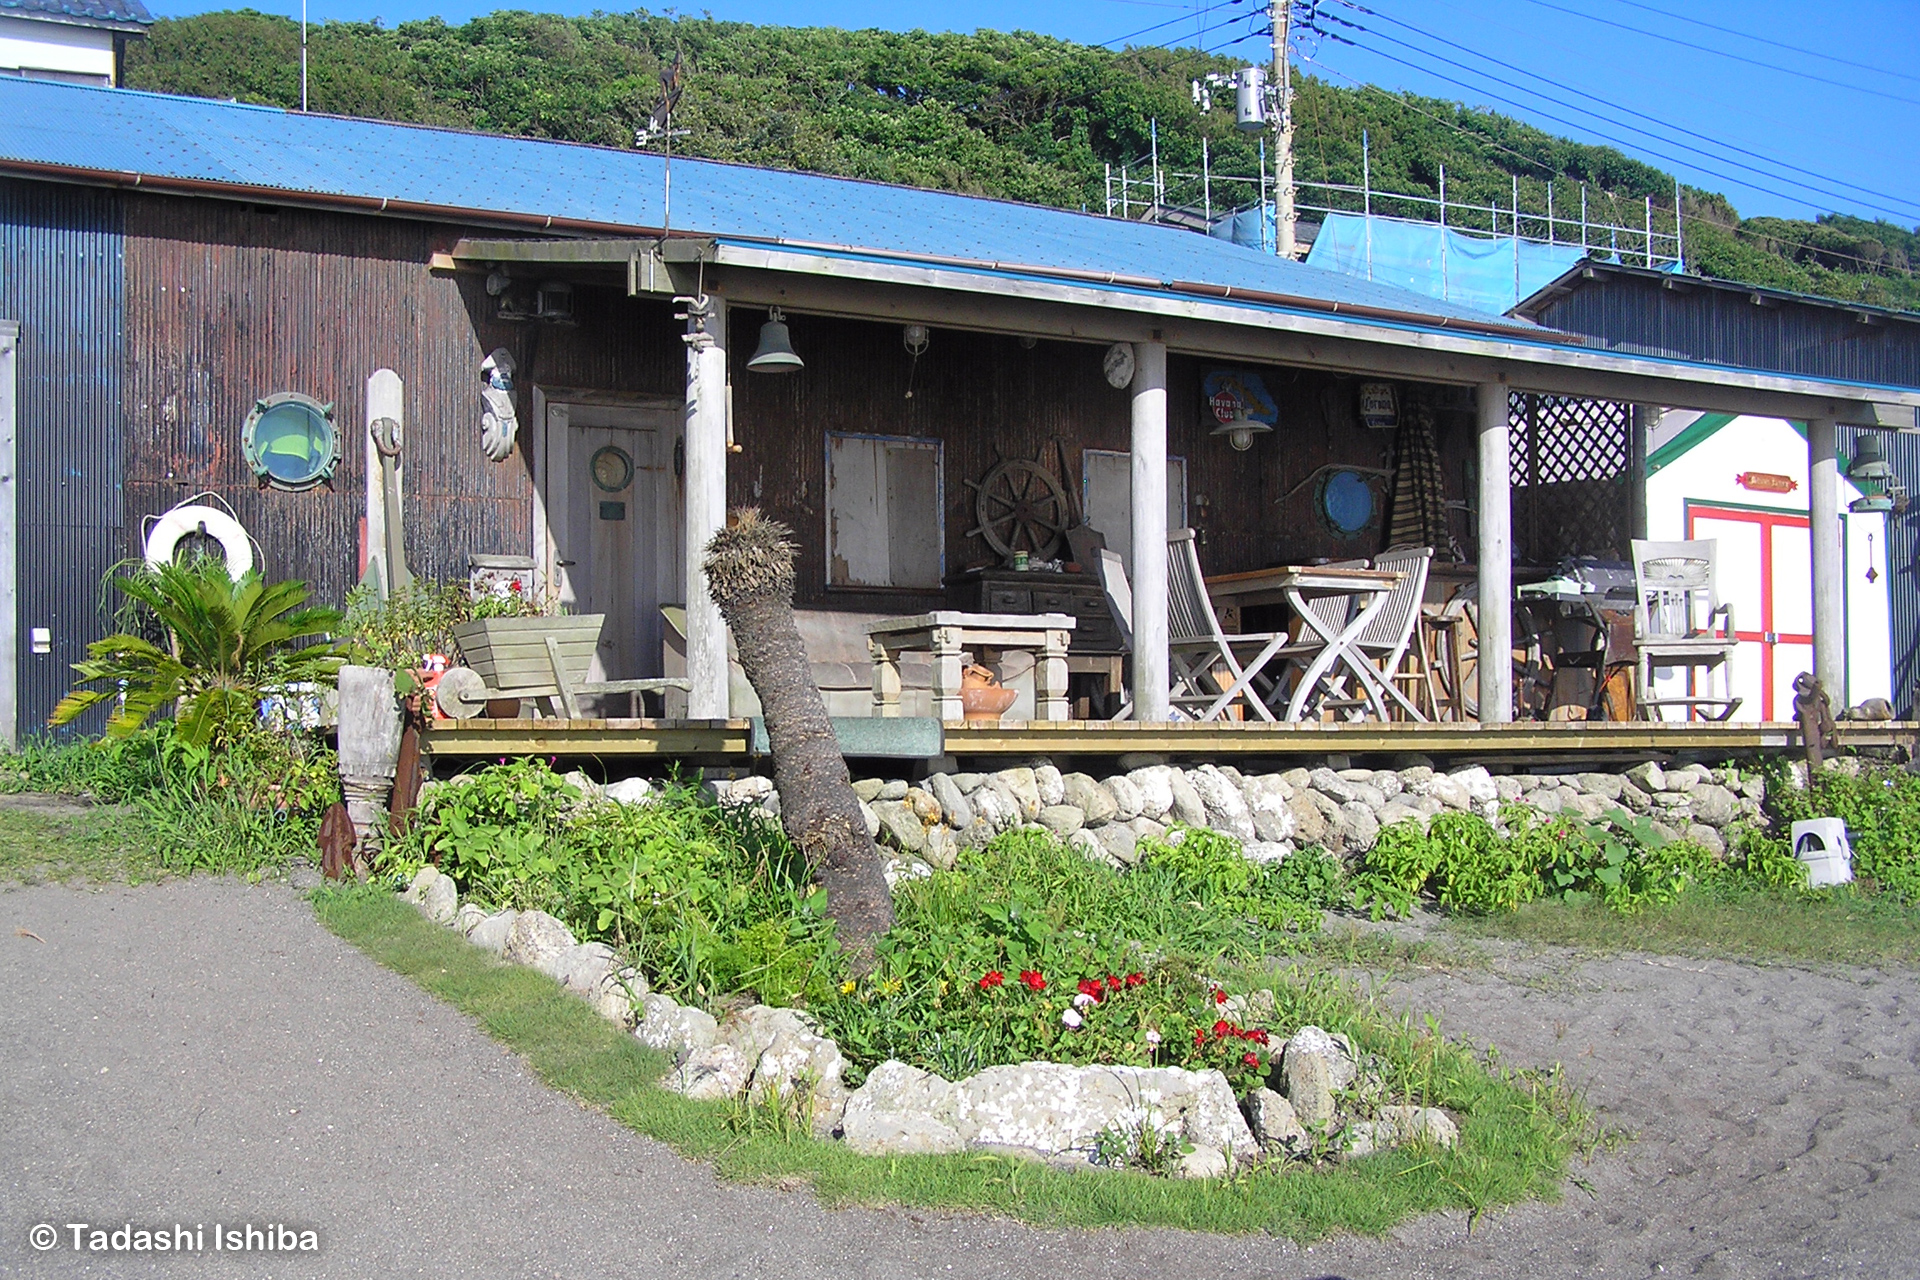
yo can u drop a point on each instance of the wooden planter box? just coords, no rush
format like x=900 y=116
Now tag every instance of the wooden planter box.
x=510 y=654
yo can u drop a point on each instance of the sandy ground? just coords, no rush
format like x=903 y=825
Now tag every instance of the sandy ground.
x=201 y=1051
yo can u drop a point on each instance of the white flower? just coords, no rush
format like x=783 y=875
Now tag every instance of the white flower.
x=1082 y=1000
x=1070 y=1019
x=1153 y=1037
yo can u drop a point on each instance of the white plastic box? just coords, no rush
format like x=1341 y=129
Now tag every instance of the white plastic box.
x=1821 y=845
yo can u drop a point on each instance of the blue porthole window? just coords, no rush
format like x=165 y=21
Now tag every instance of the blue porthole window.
x=290 y=441
x=1346 y=503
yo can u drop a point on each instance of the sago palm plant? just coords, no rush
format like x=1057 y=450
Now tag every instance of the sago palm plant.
x=229 y=644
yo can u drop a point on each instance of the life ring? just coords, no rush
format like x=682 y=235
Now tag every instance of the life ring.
x=212 y=522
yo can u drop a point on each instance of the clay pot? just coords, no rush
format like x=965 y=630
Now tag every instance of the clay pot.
x=982 y=697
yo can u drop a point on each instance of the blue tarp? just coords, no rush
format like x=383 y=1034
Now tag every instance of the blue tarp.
x=1490 y=275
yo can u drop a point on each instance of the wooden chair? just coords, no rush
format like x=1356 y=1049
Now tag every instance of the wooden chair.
x=1386 y=639
x=1676 y=599
x=1112 y=572
x=1198 y=646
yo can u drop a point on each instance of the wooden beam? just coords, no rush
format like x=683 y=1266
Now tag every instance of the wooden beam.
x=459 y=739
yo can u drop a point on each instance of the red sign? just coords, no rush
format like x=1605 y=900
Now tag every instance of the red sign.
x=1766 y=482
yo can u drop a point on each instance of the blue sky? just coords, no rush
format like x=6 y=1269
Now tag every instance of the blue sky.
x=1788 y=144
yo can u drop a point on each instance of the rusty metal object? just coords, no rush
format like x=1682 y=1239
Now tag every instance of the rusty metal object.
x=338 y=859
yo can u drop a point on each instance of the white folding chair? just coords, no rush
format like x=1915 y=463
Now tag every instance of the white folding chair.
x=1112 y=572
x=1198 y=647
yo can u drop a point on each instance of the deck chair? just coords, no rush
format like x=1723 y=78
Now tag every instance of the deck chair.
x=1198 y=648
x=1384 y=642
x=1676 y=599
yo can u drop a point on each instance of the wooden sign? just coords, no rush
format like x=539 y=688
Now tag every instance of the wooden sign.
x=1766 y=482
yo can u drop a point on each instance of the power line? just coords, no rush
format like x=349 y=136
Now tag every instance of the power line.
x=1405 y=101
x=1722 y=53
x=1189 y=16
x=1912 y=205
x=1572 y=124
x=1778 y=44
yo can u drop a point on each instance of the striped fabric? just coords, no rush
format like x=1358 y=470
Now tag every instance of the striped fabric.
x=1419 y=501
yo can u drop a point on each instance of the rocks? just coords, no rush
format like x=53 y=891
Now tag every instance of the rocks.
x=1358 y=827
x=1202 y=1162
x=954 y=809
x=923 y=806
x=1051 y=1108
x=1707 y=838
x=1062 y=819
x=1095 y=803
x=1273 y=1122
x=711 y=1074
x=902 y=1110
x=868 y=789
x=943 y=847
x=436 y=895
x=1225 y=808
x=994 y=807
x=630 y=791
x=582 y=968
x=1024 y=788
x=467 y=917
x=1649 y=777
x=1713 y=805
x=899 y=825
x=1128 y=802
x=893 y=789
x=1051 y=785
x=491 y=933
x=1156 y=790
x=535 y=939
x=1314 y=1065
x=1332 y=786
x=1119 y=843
x=674 y=1028
x=1397 y=1127
x=1188 y=808
x=1309 y=823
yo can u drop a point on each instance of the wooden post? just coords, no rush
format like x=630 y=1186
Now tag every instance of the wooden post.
x=1829 y=559
x=386 y=480
x=1151 y=685
x=706 y=502
x=1496 y=557
x=10 y=534
x=1050 y=678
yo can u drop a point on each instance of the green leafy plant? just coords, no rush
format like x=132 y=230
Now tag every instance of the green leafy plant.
x=230 y=644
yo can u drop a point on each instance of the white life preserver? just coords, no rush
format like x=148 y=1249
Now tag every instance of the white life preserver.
x=210 y=521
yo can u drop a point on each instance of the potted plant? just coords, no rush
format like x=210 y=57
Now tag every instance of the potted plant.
x=505 y=640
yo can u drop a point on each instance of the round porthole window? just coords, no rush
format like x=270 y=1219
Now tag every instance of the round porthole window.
x=612 y=468
x=1346 y=503
x=290 y=441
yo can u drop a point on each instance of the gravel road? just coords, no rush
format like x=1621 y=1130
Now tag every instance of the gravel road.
x=203 y=1052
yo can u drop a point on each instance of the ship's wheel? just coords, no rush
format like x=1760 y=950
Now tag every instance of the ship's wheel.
x=1020 y=506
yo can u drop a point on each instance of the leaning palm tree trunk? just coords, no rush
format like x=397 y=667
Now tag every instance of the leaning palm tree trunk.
x=750 y=569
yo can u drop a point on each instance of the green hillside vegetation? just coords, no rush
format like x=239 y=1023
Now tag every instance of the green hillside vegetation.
x=1021 y=116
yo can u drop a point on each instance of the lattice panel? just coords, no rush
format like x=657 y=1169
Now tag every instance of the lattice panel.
x=1572 y=465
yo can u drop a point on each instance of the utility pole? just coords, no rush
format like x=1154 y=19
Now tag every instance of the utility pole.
x=303 y=55
x=1282 y=13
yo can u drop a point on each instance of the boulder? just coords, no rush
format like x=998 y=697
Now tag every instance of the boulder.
x=589 y=789
x=1269 y=806
x=1309 y=824
x=491 y=933
x=1451 y=792
x=969 y=782
x=1202 y=1161
x=800 y=1060
x=1062 y=819
x=1273 y=1122
x=1588 y=806
x=954 y=809
x=1052 y=788
x=614 y=999
x=1089 y=846
x=630 y=791
x=892 y=789
x=1715 y=806
x=1506 y=788
x=1358 y=827
x=1547 y=801
x=1094 y=801
x=1188 y=808
x=675 y=1028
x=1649 y=777
x=924 y=806
x=1049 y=1108
x=1308 y=1080
x=712 y=1074
x=1394 y=811
x=1600 y=784
x=1707 y=838
x=1156 y=791
x=1369 y=795
x=1683 y=781
x=469 y=915
x=1398 y=1127
x=1226 y=807
x=1128 y=803
x=1024 y=788
x=581 y=969
x=1416 y=779
x=1119 y=842
x=904 y=867
x=995 y=808
x=535 y=939
x=943 y=848
x=1634 y=800
x=899 y=825
x=1478 y=782
x=1332 y=786
x=1145 y=828
x=1298 y=779
x=1263 y=851
x=416 y=890
x=901 y=1110
x=868 y=789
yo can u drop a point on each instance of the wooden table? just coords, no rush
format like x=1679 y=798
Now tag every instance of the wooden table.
x=1295 y=586
x=947 y=634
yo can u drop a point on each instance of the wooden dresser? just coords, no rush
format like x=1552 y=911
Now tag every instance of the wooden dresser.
x=1012 y=591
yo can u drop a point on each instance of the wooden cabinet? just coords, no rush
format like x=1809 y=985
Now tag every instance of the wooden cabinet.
x=1010 y=591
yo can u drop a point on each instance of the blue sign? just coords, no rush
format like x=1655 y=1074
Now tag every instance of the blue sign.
x=1227 y=389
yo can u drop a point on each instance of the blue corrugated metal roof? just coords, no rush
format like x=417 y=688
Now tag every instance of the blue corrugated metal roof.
x=194 y=138
x=113 y=11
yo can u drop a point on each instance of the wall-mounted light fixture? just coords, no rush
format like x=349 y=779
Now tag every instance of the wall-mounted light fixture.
x=916 y=340
x=1240 y=429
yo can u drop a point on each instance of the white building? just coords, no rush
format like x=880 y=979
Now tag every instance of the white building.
x=1742 y=481
x=77 y=41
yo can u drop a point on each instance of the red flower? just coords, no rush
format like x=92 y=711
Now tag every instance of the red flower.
x=1033 y=980
x=1260 y=1038
x=1113 y=983
x=1221 y=1028
x=1091 y=988
x=991 y=979
x=1199 y=1038
x=1252 y=1060
x=1219 y=996
x=1135 y=979
x=513 y=585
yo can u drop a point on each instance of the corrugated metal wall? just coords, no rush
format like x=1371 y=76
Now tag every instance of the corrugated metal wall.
x=1903 y=567
x=1726 y=328
x=61 y=251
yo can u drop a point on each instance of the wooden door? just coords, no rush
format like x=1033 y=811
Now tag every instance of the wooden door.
x=614 y=507
x=1765 y=570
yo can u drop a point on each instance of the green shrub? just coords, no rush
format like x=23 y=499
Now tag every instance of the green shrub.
x=1881 y=808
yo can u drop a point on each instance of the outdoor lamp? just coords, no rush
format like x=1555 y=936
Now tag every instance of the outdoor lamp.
x=1240 y=429
x=775 y=354
x=1869 y=459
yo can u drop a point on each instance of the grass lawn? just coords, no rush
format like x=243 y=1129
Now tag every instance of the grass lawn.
x=1831 y=926
x=1518 y=1133
x=46 y=838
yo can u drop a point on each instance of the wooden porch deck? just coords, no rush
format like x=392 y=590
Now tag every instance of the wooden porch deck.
x=1525 y=744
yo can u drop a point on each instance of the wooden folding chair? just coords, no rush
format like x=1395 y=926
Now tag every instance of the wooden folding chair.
x=1198 y=647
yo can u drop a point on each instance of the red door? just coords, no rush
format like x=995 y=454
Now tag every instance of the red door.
x=1763 y=565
